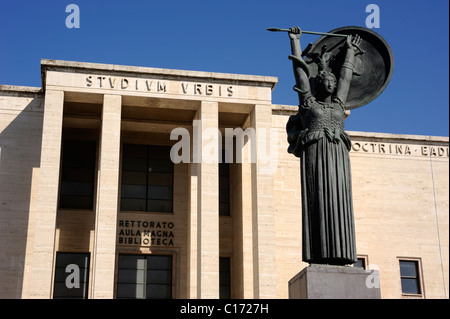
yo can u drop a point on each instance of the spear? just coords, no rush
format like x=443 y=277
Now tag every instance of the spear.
x=307 y=32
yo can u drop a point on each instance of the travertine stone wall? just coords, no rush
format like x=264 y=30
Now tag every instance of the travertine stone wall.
x=21 y=117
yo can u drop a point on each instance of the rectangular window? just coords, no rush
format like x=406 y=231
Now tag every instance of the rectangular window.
x=71 y=276
x=224 y=188
x=77 y=175
x=224 y=278
x=361 y=262
x=147 y=179
x=144 y=277
x=410 y=277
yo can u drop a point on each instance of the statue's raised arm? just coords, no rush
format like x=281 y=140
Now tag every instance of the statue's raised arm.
x=346 y=75
x=301 y=71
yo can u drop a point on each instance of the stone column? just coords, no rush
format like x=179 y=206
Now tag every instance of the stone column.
x=193 y=276
x=242 y=278
x=204 y=219
x=41 y=270
x=263 y=214
x=107 y=200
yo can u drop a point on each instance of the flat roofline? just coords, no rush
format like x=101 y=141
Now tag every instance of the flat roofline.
x=48 y=64
x=21 y=90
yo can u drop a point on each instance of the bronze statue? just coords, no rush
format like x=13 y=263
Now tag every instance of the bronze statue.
x=333 y=78
x=316 y=135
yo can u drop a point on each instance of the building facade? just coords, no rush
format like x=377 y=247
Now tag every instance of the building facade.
x=132 y=182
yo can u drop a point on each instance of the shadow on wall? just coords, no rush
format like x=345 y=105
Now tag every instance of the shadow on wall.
x=21 y=119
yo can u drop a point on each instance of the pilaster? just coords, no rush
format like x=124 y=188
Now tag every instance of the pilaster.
x=107 y=199
x=263 y=210
x=204 y=219
x=41 y=271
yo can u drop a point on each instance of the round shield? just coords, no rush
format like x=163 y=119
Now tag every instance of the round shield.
x=374 y=63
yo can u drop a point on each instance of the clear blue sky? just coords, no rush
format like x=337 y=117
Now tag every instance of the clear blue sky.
x=230 y=37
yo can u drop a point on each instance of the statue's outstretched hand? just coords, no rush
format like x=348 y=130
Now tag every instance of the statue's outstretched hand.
x=354 y=42
x=295 y=33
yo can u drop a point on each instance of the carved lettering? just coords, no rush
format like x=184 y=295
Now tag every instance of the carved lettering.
x=122 y=83
x=197 y=88
x=230 y=91
x=407 y=150
x=356 y=146
x=145 y=233
x=149 y=85
x=209 y=89
x=184 y=87
x=99 y=78
x=162 y=86
x=433 y=151
x=89 y=81
x=400 y=149
x=112 y=82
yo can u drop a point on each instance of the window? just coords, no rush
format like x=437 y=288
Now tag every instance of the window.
x=224 y=278
x=71 y=276
x=144 y=277
x=224 y=189
x=410 y=276
x=361 y=262
x=147 y=179
x=77 y=175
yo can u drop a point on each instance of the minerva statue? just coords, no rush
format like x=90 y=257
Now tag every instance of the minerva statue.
x=336 y=75
x=316 y=135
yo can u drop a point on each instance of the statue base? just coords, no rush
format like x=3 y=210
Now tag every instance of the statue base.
x=335 y=282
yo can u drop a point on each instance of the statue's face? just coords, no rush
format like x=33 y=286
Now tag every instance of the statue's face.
x=328 y=84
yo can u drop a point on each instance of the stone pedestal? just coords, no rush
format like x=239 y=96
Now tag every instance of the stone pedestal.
x=335 y=282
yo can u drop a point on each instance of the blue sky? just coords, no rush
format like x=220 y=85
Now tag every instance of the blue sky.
x=230 y=36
